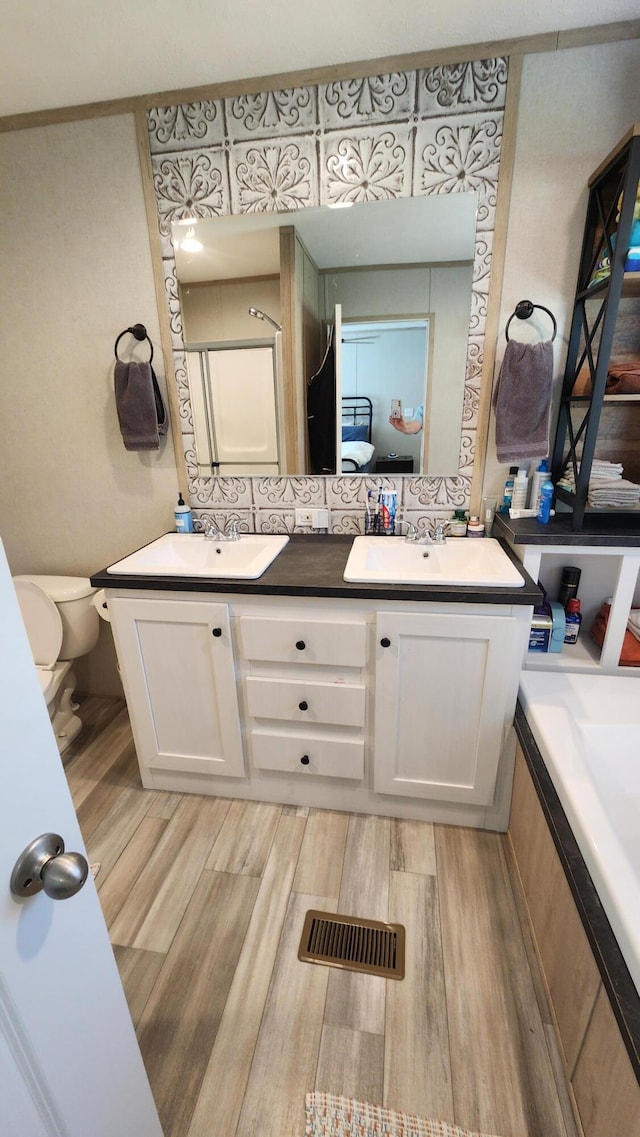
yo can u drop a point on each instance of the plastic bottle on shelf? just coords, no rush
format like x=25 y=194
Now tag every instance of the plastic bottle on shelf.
x=520 y=486
x=537 y=478
x=508 y=490
x=573 y=620
x=545 y=498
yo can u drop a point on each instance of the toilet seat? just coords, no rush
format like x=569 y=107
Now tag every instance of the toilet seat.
x=42 y=622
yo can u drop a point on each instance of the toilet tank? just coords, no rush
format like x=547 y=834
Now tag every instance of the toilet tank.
x=72 y=596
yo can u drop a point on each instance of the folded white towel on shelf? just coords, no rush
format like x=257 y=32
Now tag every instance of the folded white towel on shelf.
x=600 y=465
x=633 y=623
x=615 y=492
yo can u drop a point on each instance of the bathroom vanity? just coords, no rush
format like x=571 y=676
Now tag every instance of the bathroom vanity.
x=301 y=688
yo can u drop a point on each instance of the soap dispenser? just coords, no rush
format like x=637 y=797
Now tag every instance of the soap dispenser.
x=182 y=514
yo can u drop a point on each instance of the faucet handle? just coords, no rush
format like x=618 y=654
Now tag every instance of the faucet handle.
x=232 y=533
x=412 y=533
x=439 y=533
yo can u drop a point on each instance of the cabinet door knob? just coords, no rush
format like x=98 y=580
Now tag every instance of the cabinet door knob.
x=301 y=645
x=385 y=642
x=304 y=706
x=305 y=760
x=217 y=632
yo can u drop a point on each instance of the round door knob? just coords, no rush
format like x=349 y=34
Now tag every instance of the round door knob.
x=45 y=865
x=305 y=760
x=217 y=632
x=304 y=706
x=385 y=642
x=301 y=645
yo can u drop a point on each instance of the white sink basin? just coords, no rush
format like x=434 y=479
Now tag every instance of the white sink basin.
x=188 y=554
x=469 y=561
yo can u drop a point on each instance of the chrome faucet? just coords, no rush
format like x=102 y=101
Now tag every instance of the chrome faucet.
x=213 y=533
x=416 y=537
x=436 y=536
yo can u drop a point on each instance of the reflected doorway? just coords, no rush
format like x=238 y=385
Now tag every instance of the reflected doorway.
x=386 y=361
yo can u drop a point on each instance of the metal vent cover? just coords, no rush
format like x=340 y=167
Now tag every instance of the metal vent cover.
x=347 y=942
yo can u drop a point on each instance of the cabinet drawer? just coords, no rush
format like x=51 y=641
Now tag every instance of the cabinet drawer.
x=305 y=702
x=329 y=757
x=304 y=641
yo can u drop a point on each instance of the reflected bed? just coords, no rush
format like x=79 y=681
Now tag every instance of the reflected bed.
x=357 y=449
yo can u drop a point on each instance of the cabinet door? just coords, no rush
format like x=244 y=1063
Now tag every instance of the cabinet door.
x=440 y=704
x=177 y=667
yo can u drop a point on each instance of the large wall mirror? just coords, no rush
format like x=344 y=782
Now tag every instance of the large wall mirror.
x=366 y=206
x=265 y=297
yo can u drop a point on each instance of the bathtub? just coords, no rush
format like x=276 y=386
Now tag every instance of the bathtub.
x=587 y=729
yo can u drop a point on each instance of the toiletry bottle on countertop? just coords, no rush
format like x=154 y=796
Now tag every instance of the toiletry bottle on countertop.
x=182 y=514
x=458 y=524
x=573 y=620
x=537 y=478
x=520 y=487
x=545 y=497
x=508 y=490
x=475 y=528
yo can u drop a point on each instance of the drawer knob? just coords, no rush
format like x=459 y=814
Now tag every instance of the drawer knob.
x=305 y=760
x=385 y=642
x=217 y=632
x=301 y=645
x=304 y=706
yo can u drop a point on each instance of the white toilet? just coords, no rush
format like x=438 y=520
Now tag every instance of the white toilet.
x=61 y=624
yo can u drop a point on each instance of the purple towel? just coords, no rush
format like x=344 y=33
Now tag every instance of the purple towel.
x=521 y=400
x=138 y=411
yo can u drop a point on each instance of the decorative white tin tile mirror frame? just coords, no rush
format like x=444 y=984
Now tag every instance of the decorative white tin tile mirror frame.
x=399 y=135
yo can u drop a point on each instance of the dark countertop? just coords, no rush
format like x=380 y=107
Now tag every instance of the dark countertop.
x=528 y=531
x=622 y=992
x=313 y=565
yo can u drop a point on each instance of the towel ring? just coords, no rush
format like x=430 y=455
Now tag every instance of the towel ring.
x=140 y=333
x=524 y=309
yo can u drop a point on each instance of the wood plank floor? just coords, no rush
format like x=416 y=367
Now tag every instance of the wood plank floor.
x=204 y=899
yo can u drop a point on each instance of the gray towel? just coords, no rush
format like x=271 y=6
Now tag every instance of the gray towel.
x=521 y=399
x=142 y=418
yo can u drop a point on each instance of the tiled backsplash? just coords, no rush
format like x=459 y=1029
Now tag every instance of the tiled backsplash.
x=380 y=137
x=267 y=505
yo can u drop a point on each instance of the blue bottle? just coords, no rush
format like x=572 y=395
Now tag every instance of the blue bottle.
x=183 y=518
x=544 y=502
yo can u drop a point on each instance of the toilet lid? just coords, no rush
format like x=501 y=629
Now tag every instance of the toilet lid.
x=42 y=621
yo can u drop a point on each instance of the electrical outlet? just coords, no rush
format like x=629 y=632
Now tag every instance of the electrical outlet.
x=320 y=518
x=304 y=517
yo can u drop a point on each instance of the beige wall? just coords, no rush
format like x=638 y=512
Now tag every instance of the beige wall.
x=76 y=269
x=574 y=108
x=212 y=312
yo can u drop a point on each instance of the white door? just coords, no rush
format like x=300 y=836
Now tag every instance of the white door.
x=69 y=1061
x=442 y=681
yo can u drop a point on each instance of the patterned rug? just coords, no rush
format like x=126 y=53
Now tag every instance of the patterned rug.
x=328 y=1115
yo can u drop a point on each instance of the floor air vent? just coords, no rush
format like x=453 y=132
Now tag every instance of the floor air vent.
x=352 y=944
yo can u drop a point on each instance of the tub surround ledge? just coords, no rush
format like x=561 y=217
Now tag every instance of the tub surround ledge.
x=616 y=978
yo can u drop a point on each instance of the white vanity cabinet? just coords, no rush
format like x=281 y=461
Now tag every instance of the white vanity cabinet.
x=440 y=684
x=295 y=700
x=177 y=666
